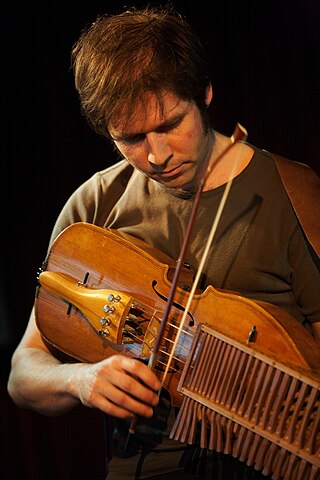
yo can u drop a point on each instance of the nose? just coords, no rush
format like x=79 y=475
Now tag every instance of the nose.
x=159 y=151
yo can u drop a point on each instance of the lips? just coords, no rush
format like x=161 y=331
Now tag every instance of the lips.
x=172 y=172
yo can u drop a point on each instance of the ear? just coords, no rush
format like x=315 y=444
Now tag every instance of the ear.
x=209 y=95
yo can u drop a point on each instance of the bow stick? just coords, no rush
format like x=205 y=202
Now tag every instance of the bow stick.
x=239 y=134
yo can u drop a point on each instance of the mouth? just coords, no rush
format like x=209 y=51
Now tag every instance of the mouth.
x=172 y=173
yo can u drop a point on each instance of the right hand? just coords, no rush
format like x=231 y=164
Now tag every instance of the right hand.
x=119 y=386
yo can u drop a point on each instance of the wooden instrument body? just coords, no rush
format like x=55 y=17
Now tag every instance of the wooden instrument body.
x=100 y=259
x=245 y=371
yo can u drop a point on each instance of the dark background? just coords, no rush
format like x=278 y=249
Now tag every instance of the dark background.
x=265 y=57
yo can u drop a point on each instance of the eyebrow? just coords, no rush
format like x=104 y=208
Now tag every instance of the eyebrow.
x=167 y=124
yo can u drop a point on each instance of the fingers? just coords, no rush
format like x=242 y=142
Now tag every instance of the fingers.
x=140 y=371
x=119 y=386
x=121 y=404
x=131 y=384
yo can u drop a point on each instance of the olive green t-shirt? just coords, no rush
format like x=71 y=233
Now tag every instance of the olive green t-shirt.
x=258 y=250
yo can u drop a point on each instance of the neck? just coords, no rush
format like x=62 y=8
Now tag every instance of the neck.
x=225 y=167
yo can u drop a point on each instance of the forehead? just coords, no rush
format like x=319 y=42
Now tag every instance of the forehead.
x=149 y=113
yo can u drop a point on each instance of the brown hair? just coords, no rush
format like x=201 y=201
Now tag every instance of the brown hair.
x=120 y=57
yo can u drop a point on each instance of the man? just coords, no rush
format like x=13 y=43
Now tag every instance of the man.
x=143 y=81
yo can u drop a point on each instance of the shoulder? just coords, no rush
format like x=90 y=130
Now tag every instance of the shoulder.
x=294 y=175
x=95 y=197
x=290 y=170
x=293 y=172
x=119 y=173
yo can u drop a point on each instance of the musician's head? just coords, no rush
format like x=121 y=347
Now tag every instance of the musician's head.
x=120 y=60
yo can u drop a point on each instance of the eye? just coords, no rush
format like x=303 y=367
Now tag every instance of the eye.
x=134 y=140
x=170 y=126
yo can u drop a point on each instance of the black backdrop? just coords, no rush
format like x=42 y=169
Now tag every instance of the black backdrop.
x=266 y=75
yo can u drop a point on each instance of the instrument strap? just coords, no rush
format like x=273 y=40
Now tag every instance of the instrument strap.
x=303 y=188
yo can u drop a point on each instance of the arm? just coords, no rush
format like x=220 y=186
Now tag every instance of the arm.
x=118 y=386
